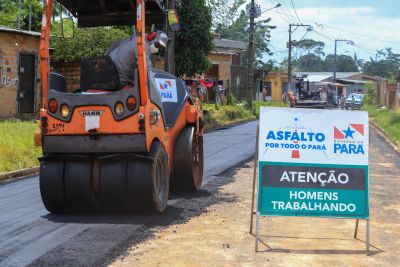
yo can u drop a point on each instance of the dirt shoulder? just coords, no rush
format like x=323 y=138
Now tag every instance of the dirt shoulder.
x=219 y=235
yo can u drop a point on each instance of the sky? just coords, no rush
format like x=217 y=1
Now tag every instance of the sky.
x=371 y=25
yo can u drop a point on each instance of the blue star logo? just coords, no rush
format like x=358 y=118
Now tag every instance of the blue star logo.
x=349 y=132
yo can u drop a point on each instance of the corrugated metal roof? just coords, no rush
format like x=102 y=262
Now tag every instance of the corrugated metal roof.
x=318 y=78
x=339 y=75
x=226 y=43
x=6 y=29
x=352 y=81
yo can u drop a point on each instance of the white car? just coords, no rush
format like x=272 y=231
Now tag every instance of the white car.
x=354 y=101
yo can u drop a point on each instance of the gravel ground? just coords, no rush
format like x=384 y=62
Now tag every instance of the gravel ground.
x=213 y=229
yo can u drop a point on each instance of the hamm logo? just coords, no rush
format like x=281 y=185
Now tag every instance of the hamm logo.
x=92 y=113
x=349 y=141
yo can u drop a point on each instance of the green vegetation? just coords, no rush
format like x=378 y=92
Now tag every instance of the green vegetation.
x=235 y=113
x=10 y=17
x=194 y=41
x=258 y=104
x=220 y=116
x=88 y=42
x=17 y=150
x=370 y=93
x=386 y=119
x=233 y=23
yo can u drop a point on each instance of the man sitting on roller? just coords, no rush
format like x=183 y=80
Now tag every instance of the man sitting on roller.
x=124 y=55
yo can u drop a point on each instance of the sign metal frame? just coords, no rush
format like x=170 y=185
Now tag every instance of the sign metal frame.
x=258 y=215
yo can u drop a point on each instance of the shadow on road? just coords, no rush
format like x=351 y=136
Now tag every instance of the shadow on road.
x=131 y=229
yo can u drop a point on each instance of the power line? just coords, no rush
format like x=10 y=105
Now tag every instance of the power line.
x=287 y=19
x=368 y=50
x=351 y=32
x=295 y=11
x=288 y=11
x=324 y=36
x=303 y=36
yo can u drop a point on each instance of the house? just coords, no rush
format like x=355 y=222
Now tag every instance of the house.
x=225 y=54
x=226 y=60
x=20 y=87
x=277 y=83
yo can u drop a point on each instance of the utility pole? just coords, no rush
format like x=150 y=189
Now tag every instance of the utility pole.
x=30 y=17
x=334 y=65
x=290 y=50
x=170 y=58
x=290 y=60
x=250 y=65
x=19 y=15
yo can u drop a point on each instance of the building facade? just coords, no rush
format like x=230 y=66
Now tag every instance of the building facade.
x=20 y=87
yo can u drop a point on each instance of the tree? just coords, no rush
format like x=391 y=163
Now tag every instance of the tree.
x=194 y=41
x=239 y=31
x=88 y=42
x=11 y=17
x=224 y=12
x=308 y=47
x=344 y=63
x=385 y=65
x=309 y=62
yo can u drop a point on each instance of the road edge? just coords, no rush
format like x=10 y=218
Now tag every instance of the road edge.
x=19 y=174
x=15 y=175
x=382 y=133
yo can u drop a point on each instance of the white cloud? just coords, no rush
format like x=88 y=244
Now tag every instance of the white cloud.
x=360 y=24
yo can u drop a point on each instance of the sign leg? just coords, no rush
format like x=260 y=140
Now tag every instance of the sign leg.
x=356 y=229
x=257 y=229
x=367 y=239
x=254 y=182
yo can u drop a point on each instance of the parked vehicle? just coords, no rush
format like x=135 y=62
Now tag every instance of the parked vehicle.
x=354 y=101
x=306 y=96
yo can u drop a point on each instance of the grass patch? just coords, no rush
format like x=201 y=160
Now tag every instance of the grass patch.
x=386 y=119
x=225 y=115
x=258 y=104
x=17 y=149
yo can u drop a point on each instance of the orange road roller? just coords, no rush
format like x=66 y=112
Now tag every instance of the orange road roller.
x=108 y=148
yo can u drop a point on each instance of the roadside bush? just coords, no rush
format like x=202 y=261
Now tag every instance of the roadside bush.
x=394 y=118
x=17 y=150
x=258 y=104
x=370 y=93
x=385 y=119
x=225 y=115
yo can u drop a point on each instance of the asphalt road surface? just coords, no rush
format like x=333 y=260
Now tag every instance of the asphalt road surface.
x=29 y=235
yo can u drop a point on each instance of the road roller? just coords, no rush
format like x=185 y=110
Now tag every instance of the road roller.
x=107 y=148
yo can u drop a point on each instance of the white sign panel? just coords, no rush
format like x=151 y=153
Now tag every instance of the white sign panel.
x=313 y=136
x=167 y=89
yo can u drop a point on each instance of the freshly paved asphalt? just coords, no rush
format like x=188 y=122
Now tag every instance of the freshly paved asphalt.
x=29 y=235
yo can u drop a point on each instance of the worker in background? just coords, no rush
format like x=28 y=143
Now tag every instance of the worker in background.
x=124 y=54
x=284 y=97
x=264 y=92
x=343 y=102
x=292 y=99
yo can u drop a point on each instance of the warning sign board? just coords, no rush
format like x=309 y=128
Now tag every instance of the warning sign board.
x=313 y=163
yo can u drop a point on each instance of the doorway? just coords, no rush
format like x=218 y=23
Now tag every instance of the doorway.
x=26 y=83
